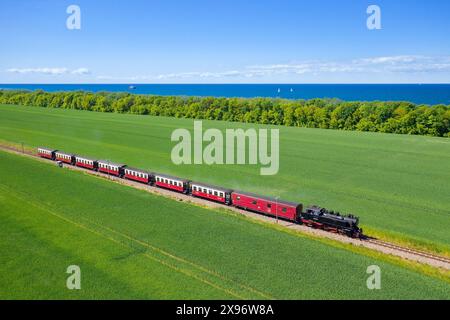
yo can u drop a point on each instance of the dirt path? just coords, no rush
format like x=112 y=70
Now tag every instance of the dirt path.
x=386 y=248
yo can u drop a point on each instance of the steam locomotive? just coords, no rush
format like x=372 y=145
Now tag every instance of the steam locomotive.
x=313 y=216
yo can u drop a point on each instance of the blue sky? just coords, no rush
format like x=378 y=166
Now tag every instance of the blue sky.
x=225 y=41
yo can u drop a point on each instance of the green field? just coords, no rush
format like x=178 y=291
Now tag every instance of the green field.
x=132 y=244
x=398 y=185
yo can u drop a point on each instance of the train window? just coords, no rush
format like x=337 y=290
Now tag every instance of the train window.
x=221 y=194
x=284 y=210
x=210 y=191
x=215 y=193
x=205 y=191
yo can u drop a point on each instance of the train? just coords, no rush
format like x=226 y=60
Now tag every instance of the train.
x=312 y=216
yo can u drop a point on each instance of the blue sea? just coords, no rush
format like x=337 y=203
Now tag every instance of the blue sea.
x=416 y=93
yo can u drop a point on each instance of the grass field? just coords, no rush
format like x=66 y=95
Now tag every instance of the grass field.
x=132 y=244
x=398 y=185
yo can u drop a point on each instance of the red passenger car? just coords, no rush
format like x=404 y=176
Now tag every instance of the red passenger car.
x=47 y=153
x=270 y=206
x=172 y=183
x=210 y=192
x=65 y=157
x=137 y=175
x=86 y=163
x=115 y=169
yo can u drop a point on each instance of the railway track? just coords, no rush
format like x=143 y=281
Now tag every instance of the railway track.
x=408 y=250
x=372 y=243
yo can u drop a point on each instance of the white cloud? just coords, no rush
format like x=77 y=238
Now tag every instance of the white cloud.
x=52 y=71
x=49 y=71
x=80 y=71
x=374 y=65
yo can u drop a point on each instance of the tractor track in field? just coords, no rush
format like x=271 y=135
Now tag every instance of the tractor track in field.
x=426 y=258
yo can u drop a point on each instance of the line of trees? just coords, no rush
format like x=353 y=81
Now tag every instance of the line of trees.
x=390 y=117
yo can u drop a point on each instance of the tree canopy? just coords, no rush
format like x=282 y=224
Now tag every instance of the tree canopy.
x=377 y=116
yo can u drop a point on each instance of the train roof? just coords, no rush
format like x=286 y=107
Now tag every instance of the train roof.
x=47 y=149
x=112 y=163
x=139 y=170
x=169 y=177
x=66 y=153
x=85 y=157
x=211 y=186
x=280 y=201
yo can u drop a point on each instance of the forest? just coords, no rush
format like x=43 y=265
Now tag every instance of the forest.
x=376 y=116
